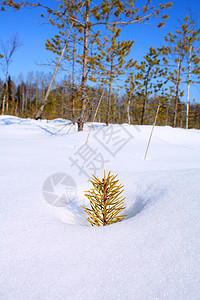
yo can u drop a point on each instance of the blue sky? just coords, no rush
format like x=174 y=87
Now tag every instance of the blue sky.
x=26 y=23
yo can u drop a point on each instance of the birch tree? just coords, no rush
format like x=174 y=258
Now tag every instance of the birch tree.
x=8 y=50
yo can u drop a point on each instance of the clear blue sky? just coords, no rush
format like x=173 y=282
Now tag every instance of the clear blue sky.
x=33 y=36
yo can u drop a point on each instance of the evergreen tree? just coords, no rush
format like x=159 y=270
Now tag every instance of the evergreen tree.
x=192 y=59
x=90 y=16
x=111 y=62
x=180 y=55
x=105 y=200
x=149 y=79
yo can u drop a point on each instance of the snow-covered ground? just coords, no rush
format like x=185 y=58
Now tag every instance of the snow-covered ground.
x=49 y=252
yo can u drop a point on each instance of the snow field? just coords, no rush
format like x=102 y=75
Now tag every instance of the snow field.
x=50 y=253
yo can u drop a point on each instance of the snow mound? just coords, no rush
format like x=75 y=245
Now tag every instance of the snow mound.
x=10 y=120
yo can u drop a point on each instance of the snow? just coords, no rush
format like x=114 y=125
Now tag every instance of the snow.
x=49 y=252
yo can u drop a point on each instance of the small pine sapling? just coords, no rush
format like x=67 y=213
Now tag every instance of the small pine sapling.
x=105 y=200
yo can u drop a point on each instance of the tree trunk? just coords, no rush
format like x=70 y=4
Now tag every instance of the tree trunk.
x=128 y=111
x=7 y=105
x=26 y=99
x=73 y=79
x=145 y=96
x=177 y=93
x=81 y=119
x=5 y=96
x=3 y=104
x=110 y=91
x=188 y=90
x=144 y=105
x=22 y=97
x=143 y=110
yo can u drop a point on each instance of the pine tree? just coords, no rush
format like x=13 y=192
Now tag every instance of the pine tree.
x=149 y=79
x=90 y=16
x=181 y=55
x=105 y=200
x=112 y=62
x=192 y=60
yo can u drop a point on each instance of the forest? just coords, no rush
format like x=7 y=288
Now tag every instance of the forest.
x=101 y=82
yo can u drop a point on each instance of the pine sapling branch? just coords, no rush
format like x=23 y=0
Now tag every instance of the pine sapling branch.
x=106 y=202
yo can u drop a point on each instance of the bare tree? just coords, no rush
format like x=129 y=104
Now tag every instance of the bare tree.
x=8 y=49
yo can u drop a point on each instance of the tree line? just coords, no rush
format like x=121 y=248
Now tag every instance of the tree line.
x=129 y=91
